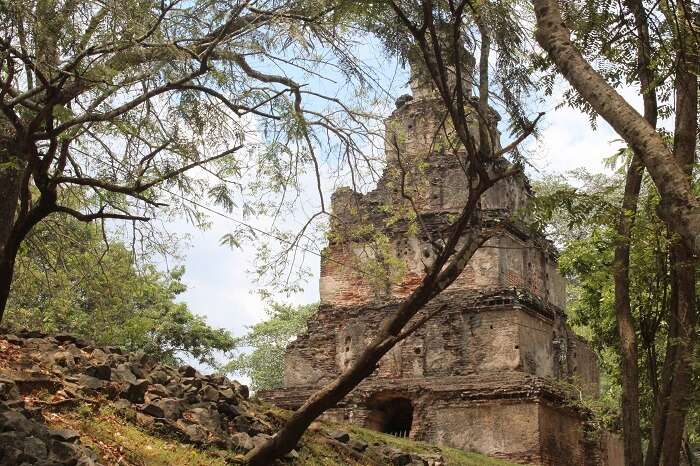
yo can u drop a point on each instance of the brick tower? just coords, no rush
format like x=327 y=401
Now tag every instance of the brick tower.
x=482 y=374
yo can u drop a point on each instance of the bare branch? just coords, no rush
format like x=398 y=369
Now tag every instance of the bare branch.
x=135 y=189
x=521 y=138
x=97 y=215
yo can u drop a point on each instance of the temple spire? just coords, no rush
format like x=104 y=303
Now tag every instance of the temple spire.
x=422 y=85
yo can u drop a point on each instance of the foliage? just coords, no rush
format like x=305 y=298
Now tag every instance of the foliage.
x=171 y=108
x=68 y=280
x=512 y=81
x=261 y=350
x=606 y=35
x=583 y=219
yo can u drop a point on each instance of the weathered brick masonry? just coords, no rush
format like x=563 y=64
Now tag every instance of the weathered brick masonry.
x=480 y=375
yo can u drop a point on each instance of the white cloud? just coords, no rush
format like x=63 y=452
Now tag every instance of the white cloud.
x=568 y=140
x=220 y=288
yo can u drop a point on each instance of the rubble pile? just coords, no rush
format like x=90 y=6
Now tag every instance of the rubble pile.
x=204 y=410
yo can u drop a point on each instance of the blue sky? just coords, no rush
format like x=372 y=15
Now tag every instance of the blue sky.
x=219 y=286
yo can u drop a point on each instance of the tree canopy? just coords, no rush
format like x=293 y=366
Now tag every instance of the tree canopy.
x=130 y=111
x=261 y=351
x=582 y=211
x=166 y=108
x=69 y=280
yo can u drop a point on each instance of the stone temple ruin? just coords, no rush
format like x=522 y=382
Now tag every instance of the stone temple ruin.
x=483 y=374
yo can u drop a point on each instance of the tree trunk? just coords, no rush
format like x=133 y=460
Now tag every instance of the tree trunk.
x=10 y=179
x=11 y=173
x=671 y=409
x=683 y=313
x=17 y=213
x=679 y=207
x=7 y=266
x=391 y=332
x=629 y=369
x=683 y=338
x=485 y=132
x=21 y=228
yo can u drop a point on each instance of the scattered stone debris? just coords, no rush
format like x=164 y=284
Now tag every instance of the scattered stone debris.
x=204 y=410
x=25 y=439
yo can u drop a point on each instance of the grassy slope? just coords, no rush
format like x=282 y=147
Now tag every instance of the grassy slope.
x=453 y=456
x=119 y=441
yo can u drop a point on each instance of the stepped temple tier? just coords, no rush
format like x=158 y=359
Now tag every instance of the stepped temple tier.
x=485 y=373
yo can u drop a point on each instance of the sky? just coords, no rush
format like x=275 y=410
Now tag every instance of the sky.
x=221 y=288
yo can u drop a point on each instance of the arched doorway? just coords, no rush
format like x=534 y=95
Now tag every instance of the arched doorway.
x=391 y=415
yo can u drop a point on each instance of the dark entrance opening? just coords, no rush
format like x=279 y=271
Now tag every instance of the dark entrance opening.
x=392 y=416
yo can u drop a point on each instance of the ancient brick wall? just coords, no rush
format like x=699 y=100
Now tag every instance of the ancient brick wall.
x=479 y=375
x=562 y=438
x=507 y=261
x=518 y=259
x=613 y=451
x=487 y=427
x=583 y=366
x=505 y=413
x=469 y=336
x=424 y=163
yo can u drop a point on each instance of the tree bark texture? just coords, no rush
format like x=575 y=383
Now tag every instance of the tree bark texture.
x=679 y=207
x=626 y=326
x=11 y=174
x=17 y=213
x=485 y=132
x=629 y=369
x=672 y=405
x=19 y=229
